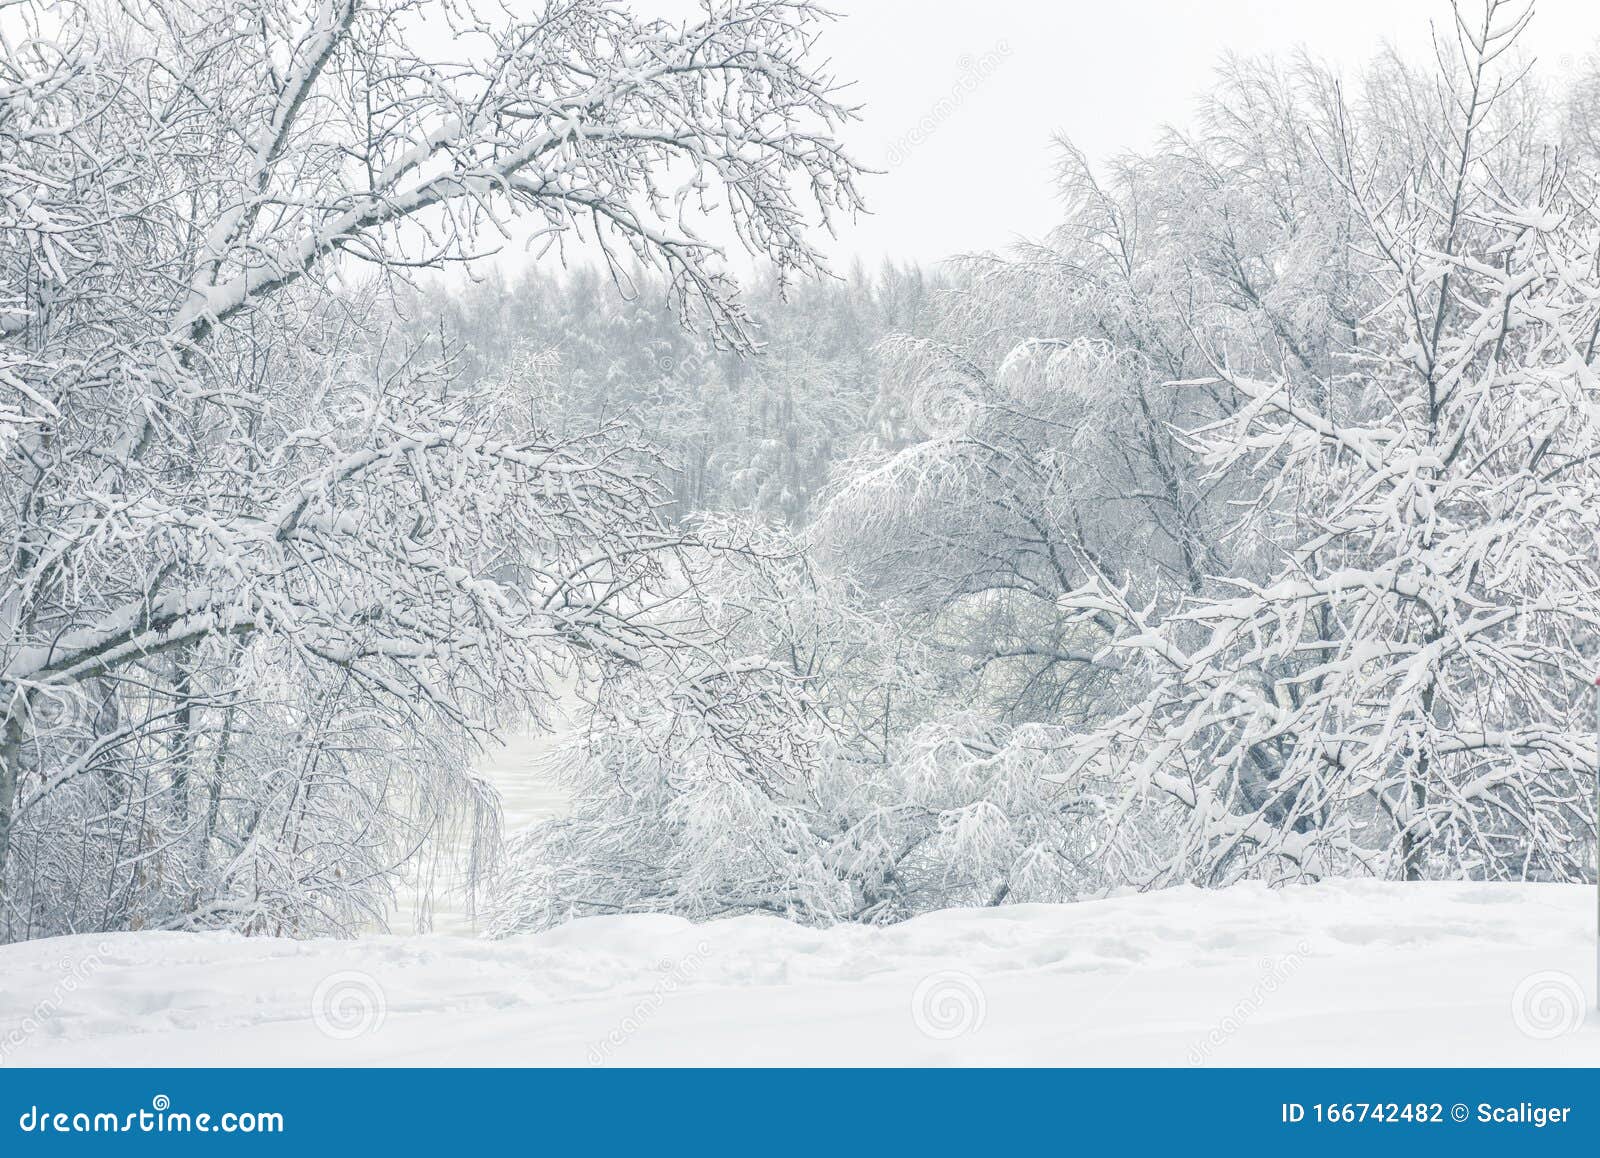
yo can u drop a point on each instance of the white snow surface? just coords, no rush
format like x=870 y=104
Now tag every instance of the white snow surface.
x=1340 y=973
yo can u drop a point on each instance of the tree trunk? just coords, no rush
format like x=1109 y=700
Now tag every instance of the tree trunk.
x=10 y=776
x=184 y=743
x=1410 y=847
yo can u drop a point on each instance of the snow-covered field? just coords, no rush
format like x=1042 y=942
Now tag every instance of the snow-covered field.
x=1339 y=973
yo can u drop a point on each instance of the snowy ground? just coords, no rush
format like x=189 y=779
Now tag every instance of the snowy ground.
x=1340 y=973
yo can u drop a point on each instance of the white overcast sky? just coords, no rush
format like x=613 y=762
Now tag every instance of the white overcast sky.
x=1107 y=74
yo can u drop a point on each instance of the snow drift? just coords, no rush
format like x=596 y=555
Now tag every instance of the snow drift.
x=1356 y=973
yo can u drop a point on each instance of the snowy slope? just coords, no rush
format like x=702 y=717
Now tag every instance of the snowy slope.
x=1339 y=973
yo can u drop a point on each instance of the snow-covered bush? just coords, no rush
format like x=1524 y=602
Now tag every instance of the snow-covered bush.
x=819 y=777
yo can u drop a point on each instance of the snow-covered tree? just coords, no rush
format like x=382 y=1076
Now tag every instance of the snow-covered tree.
x=840 y=782
x=216 y=456
x=1404 y=692
x=1258 y=486
x=1032 y=442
